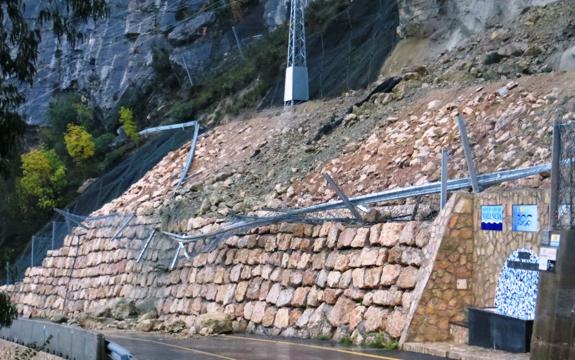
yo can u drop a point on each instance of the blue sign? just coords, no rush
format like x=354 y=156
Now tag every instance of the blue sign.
x=492 y=217
x=525 y=218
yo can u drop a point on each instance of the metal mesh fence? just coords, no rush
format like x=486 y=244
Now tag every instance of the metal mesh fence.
x=563 y=186
x=106 y=188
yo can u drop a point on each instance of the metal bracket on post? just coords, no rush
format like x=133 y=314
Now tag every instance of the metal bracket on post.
x=146 y=245
x=444 y=164
x=468 y=155
x=343 y=197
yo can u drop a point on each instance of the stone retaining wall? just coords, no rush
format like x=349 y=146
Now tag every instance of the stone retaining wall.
x=464 y=264
x=288 y=279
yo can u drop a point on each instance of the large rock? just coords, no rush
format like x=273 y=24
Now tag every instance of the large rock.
x=341 y=312
x=213 y=323
x=123 y=310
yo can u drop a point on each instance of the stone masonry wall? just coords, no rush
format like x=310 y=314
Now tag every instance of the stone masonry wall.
x=443 y=294
x=288 y=279
x=462 y=267
x=492 y=248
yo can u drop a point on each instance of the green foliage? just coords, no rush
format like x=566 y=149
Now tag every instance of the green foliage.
x=67 y=109
x=161 y=61
x=323 y=337
x=382 y=341
x=43 y=179
x=7 y=311
x=127 y=121
x=183 y=110
x=346 y=341
x=103 y=143
x=79 y=143
x=19 y=52
x=263 y=62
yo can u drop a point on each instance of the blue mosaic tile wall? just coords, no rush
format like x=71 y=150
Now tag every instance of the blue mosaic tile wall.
x=516 y=294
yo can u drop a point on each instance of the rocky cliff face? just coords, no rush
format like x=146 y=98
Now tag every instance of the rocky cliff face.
x=117 y=58
x=454 y=20
x=117 y=54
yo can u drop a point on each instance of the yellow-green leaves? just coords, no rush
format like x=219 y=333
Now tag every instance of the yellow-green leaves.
x=127 y=120
x=43 y=178
x=79 y=143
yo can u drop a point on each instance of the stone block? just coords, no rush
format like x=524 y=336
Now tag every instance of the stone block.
x=408 y=277
x=333 y=278
x=395 y=323
x=330 y=296
x=285 y=297
x=391 y=297
x=412 y=256
x=390 y=233
x=300 y=297
x=368 y=256
x=389 y=274
x=361 y=238
x=372 y=277
x=282 y=318
x=340 y=313
x=375 y=319
x=357 y=276
x=346 y=238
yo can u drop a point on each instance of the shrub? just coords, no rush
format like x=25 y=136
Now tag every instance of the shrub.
x=79 y=143
x=43 y=179
x=127 y=121
x=382 y=341
x=7 y=311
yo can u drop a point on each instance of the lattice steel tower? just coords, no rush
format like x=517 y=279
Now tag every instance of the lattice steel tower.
x=296 y=82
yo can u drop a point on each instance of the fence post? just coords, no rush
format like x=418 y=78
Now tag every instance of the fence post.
x=32 y=252
x=444 y=164
x=555 y=171
x=468 y=154
x=53 y=235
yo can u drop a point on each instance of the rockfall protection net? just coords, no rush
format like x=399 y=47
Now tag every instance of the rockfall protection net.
x=565 y=189
x=347 y=54
x=103 y=190
x=350 y=52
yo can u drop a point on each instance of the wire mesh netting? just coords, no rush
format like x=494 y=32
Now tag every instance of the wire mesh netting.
x=106 y=188
x=350 y=52
x=564 y=191
x=346 y=54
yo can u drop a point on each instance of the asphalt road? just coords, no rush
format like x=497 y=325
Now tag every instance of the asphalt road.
x=146 y=346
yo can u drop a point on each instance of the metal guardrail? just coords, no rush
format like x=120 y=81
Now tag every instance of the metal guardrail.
x=116 y=352
x=64 y=341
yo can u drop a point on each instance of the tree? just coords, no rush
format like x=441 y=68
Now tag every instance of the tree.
x=19 y=40
x=79 y=143
x=127 y=121
x=43 y=179
x=7 y=311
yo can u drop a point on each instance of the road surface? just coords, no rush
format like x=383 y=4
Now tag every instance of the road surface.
x=147 y=346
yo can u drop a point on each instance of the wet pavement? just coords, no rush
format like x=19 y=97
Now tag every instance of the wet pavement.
x=147 y=346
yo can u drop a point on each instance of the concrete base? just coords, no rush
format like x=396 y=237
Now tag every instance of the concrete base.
x=461 y=351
